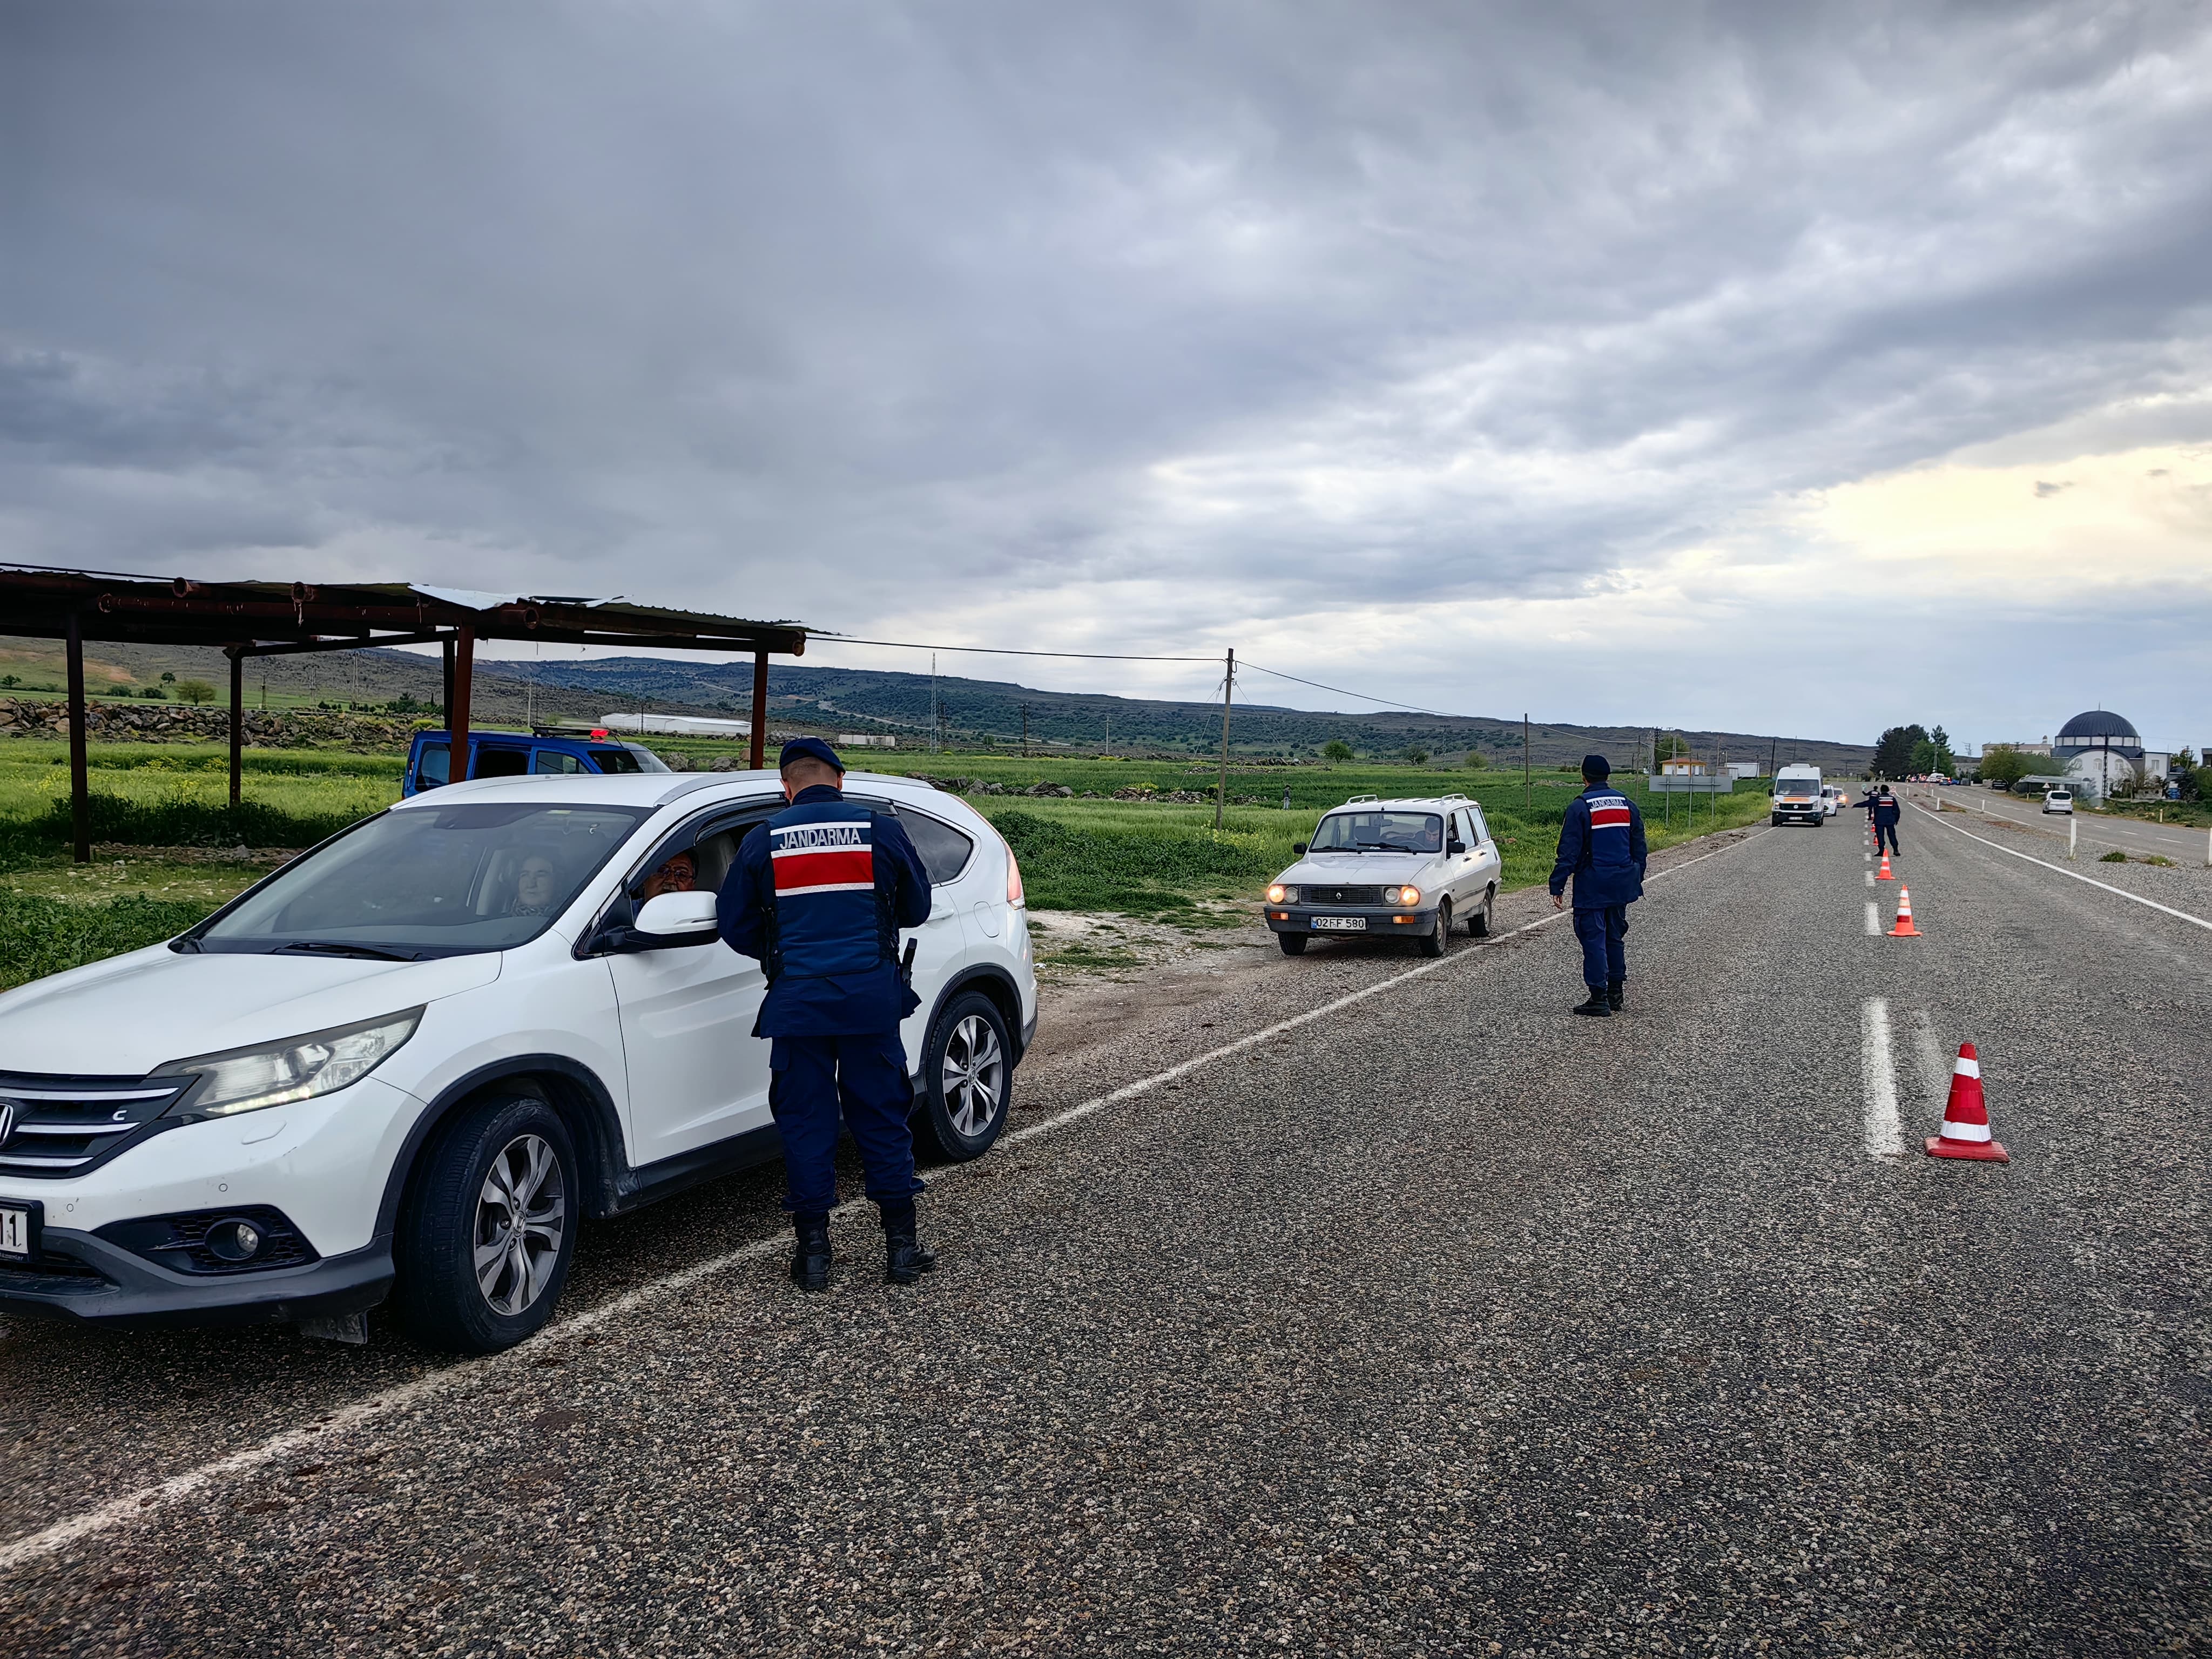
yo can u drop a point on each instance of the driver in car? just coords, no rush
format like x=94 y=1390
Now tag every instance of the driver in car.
x=678 y=874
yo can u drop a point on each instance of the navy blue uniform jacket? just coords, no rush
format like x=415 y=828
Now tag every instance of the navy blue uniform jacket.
x=1601 y=848
x=834 y=970
x=1886 y=809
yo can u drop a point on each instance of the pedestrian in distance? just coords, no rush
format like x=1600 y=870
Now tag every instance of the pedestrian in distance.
x=1885 y=809
x=1602 y=851
x=818 y=895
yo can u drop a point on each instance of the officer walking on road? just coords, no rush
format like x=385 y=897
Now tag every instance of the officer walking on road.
x=1886 y=811
x=818 y=894
x=1601 y=848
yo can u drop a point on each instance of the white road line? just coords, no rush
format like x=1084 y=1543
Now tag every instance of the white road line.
x=1869 y=874
x=1885 y=1135
x=1874 y=921
x=2180 y=915
x=144 y=1501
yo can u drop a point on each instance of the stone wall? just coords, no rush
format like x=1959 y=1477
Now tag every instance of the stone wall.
x=173 y=722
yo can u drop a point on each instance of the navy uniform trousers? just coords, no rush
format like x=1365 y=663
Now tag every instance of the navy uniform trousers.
x=1601 y=930
x=815 y=1080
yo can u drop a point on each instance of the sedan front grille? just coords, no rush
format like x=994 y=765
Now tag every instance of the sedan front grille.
x=57 y=1127
x=1339 y=895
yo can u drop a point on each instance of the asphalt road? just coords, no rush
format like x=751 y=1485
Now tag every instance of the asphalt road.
x=2095 y=832
x=1442 y=1322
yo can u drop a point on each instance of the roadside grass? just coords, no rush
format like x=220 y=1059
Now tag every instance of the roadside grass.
x=40 y=936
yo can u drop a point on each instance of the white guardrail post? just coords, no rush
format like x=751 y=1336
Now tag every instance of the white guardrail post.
x=2072 y=825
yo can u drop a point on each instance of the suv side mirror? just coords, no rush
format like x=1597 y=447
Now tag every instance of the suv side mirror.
x=1455 y=847
x=1299 y=848
x=676 y=919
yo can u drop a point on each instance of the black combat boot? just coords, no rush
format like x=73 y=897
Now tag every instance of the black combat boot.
x=810 y=1256
x=1616 y=994
x=1597 y=1006
x=904 y=1258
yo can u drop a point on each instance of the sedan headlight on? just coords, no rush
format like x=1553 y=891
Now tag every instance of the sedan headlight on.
x=298 y=1068
x=1279 y=894
x=1401 y=896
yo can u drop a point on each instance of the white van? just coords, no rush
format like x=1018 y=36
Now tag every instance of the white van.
x=1797 y=796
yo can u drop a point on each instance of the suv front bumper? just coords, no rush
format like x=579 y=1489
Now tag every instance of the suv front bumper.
x=1377 y=922
x=90 y=1280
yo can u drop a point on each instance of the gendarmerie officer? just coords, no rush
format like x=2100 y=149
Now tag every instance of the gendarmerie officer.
x=1601 y=848
x=1885 y=809
x=818 y=894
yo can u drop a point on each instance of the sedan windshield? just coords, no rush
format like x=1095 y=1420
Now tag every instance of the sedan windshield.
x=1384 y=832
x=475 y=876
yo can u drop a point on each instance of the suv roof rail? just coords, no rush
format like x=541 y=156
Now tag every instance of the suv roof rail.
x=1354 y=800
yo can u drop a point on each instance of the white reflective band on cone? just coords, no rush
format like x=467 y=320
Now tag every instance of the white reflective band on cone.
x=1966 y=1067
x=1965 y=1131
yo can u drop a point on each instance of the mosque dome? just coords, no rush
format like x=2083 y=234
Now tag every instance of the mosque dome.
x=2097 y=728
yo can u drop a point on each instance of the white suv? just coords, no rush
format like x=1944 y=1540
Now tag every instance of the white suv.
x=411 y=1060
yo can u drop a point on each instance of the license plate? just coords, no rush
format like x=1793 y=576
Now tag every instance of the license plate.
x=15 y=1233
x=1339 y=924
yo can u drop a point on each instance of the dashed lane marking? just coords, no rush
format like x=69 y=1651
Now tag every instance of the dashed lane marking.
x=147 y=1501
x=2060 y=869
x=1885 y=1134
x=1873 y=920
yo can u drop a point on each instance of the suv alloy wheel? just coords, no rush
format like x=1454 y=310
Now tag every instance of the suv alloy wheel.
x=490 y=1228
x=967 y=1076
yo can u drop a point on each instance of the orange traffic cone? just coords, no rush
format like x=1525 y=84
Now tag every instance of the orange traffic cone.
x=1967 y=1116
x=1904 y=929
x=1885 y=873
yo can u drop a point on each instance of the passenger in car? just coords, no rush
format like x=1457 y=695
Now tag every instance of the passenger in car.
x=534 y=889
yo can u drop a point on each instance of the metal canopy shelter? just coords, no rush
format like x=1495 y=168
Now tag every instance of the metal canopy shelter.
x=267 y=619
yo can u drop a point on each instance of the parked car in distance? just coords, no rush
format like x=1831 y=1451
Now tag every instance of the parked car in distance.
x=409 y=1062
x=1400 y=869
x=522 y=754
x=2058 y=800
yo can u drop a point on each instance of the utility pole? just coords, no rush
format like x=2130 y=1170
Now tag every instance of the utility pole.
x=1773 y=744
x=1109 y=736
x=1025 y=730
x=1527 y=793
x=1228 y=685
x=933 y=702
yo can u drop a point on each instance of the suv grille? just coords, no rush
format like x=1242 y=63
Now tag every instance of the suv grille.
x=1339 y=895
x=63 y=1126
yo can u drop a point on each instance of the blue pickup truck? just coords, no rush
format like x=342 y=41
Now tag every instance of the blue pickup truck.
x=521 y=754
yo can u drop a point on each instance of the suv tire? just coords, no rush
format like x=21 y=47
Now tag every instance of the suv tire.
x=1294 y=944
x=503 y=1157
x=1432 y=942
x=1477 y=923
x=966 y=1078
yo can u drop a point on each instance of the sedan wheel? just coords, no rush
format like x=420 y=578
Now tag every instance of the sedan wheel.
x=967 y=1076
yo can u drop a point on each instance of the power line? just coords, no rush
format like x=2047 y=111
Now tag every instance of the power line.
x=1007 y=651
x=1342 y=691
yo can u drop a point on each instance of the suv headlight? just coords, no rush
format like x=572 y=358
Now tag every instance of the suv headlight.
x=1279 y=894
x=298 y=1068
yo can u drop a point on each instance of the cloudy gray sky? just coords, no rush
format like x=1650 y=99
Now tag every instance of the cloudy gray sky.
x=1735 y=365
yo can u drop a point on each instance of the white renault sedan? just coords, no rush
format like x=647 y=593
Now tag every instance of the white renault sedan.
x=1390 y=869
x=409 y=1063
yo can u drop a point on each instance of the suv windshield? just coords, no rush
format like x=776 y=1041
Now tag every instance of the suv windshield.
x=1387 y=832
x=430 y=881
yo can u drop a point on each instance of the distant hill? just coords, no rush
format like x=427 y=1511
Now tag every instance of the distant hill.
x=971 y=711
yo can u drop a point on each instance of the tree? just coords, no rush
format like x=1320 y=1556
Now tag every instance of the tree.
x=196 y=691
x=1668 y=746
x=2003 y=766
x=153 y=694
x=168 y=677
x=1475 y=760
x=1923 y=758
x=1893 y=756
x=11 y=681
x=1335 y=750
x=1417 y=755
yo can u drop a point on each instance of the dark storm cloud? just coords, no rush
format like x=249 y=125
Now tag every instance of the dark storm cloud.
x=833 y=310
